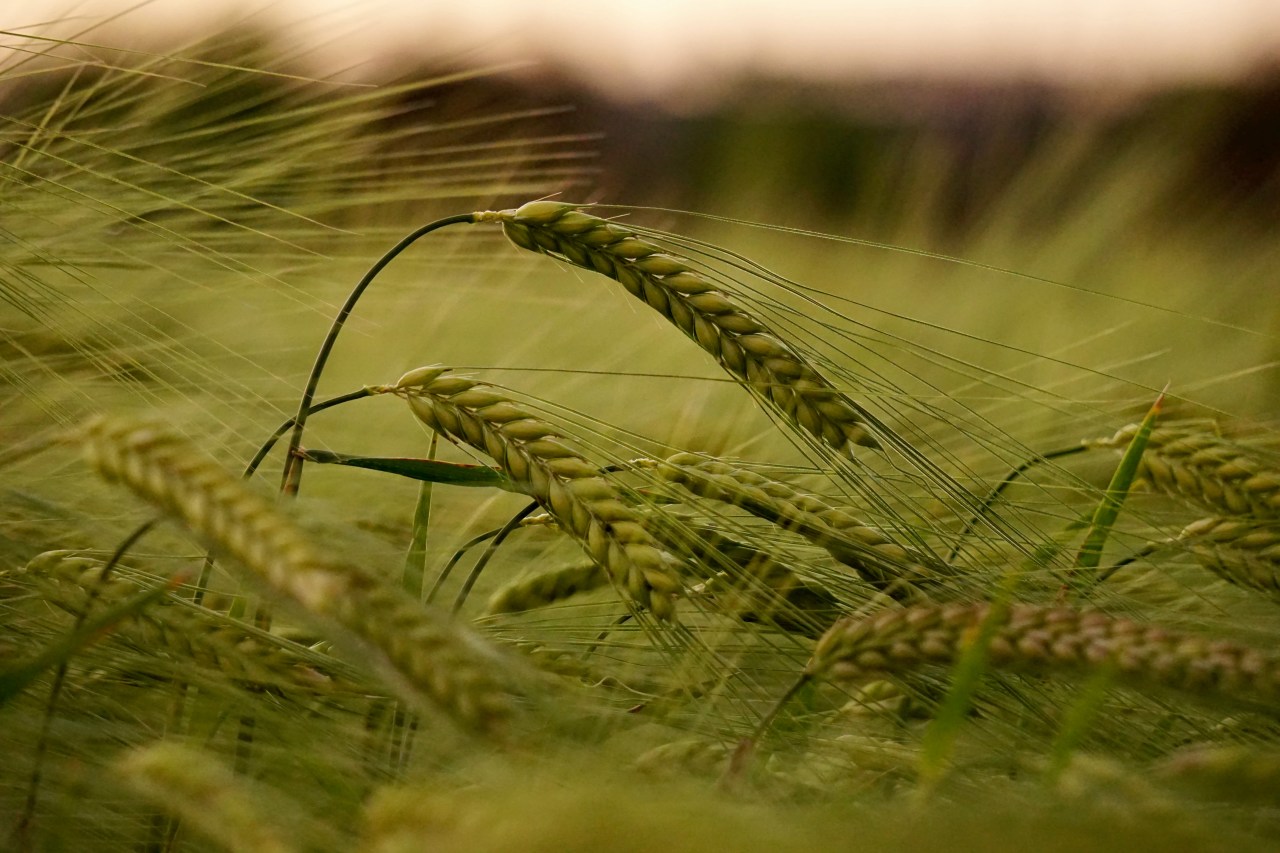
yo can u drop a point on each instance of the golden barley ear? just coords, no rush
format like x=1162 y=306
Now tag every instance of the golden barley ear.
x=1044 y=639
x=424 y=653
x=541 y=463
x=1194 y=462
x=743 y=344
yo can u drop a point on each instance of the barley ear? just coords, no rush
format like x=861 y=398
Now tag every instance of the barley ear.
x=744 y=345
x=1195 y=463
x=546 y=588
x=1044 y=639
x=199 y=789
x=1243 y=551
x=539 y=461
x=426 y=654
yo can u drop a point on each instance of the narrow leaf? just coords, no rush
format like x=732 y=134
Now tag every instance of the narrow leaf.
x=426 y=470
x=1104 y=517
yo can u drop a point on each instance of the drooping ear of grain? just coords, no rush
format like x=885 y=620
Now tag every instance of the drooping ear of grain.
x=546 y=588
x=743 y=344
x=424 y=653
x=878 y=560
x=1044 y=639
x=539 y=461
x=186 y=633
x=1244 y=551
x=1197 y=464
x=196 y=787
x=745 y=582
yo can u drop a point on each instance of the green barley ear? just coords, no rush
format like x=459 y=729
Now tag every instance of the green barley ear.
x=539 y=461
x=1045 y=639
x=196 y=787
x=1195 y=463
x=1243 y=551
x=752 y=352
x=424 y=653
x=878 y=560
x=546 y=588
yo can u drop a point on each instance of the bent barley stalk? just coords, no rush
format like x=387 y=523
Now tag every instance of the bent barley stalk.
x=878 y=560
x=1197 y=464
x=427 y=654
x=746 y=347
x=1244 y=551
x=1034 y=637
x=535 y=457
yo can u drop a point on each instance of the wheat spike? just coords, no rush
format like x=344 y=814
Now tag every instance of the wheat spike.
x=876 y=558
x=1244 y=551
x=187 y=632
x=752 y=352
x=546 y=588
x=426 y=653
x=1043 y=638
x=207 y=795
x=1197 y=464
x=745 y=582
x=538 y=460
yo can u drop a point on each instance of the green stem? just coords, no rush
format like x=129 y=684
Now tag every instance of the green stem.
x=292 y=476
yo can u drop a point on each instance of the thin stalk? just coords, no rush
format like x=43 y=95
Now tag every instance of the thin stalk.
x=206 y=571
x=994 y=494
x=292 y=476
x=507 y=529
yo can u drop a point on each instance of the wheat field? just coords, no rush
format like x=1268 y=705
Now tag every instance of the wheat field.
x=591 y=527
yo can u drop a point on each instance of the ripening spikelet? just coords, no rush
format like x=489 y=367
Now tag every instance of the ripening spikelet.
x=876 y=558
x=751 y=351
x=1201 y=466
x=539 y=461
x=745 y=582
x=427 y=654
x=184 y=632
x=1038 y=638
x=1243 y=551
x=546 y=588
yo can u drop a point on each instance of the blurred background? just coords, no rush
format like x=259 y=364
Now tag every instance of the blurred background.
x=811 y=105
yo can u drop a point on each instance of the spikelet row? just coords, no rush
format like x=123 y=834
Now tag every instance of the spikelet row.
x=538 y=460
x=1201 y=466
x=546 y=588
x=424 y=652
x=876 y=558
x=184 y=631
x=1034 y=637
x=1243 y=551
x=740 y=342
x=745 y=582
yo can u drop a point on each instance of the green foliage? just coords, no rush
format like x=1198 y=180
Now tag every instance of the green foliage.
x=177 y=234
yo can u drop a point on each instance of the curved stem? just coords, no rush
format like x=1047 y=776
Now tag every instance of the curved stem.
x=293 y=465
x=507 y=530
x=455 y=559
x=206 y=571
x=994 y=494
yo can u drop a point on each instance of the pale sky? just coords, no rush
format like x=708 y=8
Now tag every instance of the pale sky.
x=665 y=49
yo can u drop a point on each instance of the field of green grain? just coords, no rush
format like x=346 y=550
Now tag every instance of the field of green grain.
x=953 y=526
